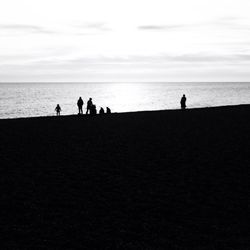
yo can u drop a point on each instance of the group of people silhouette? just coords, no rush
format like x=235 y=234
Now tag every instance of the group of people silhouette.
x=91 y=108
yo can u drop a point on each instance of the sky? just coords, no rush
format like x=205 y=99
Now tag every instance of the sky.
x=125 y=41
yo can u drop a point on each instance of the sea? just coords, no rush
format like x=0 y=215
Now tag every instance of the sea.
x=40 y=99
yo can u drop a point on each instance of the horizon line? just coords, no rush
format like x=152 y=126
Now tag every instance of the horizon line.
x=230 y=106
x=125 y=82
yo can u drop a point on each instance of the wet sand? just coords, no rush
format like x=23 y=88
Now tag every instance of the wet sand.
x=146 y=180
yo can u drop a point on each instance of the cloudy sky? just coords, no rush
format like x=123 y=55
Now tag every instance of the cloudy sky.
x=124 y=40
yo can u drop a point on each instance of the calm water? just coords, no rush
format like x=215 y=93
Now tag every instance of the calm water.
x=40 y=99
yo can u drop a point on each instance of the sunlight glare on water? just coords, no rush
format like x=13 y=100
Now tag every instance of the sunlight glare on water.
x=40 y=99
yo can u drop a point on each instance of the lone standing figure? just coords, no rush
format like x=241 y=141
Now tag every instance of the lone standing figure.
x=80 y=104
x=183 y=102
x=58 y=109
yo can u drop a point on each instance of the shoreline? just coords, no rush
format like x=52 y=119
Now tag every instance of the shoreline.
x=134 y=112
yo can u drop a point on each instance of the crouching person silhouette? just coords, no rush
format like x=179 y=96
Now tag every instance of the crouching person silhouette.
x=93 y=109
x=101 y=111
x=108 y=110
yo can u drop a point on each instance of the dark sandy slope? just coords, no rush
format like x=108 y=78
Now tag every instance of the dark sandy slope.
x=146 y=180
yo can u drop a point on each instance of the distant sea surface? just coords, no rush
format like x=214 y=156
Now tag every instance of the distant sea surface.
x=40 y=99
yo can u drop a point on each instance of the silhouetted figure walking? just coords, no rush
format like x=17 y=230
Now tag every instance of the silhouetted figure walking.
x=89 y=105
x=108 y=110
x=183 y=102
x=80 y=104
x=58 y=109
x=101 y=111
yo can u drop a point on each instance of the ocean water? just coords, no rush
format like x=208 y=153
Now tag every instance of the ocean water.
x=40 y=99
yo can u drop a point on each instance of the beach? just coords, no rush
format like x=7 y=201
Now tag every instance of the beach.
x=171 y=179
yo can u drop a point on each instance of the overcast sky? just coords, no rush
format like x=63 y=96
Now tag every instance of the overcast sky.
x=124 y=40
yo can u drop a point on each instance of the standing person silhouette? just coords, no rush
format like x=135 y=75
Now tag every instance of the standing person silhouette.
x=89 y=105
x=80 y=104
x=58 y=109
x=183 y=102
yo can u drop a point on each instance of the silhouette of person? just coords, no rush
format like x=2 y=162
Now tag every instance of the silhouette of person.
x=183 y=102
x=101 y=111
x=89 y=105
x=108 y=110
x=80 y=104
x=58 y=109
x=93 y=110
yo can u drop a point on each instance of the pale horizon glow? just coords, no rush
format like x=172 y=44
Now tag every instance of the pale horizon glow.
x=114 y=40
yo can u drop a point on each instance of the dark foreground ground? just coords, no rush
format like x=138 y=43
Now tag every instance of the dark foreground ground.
x=148 y=180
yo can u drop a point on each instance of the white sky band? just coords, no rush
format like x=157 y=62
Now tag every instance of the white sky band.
x=115 y=40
